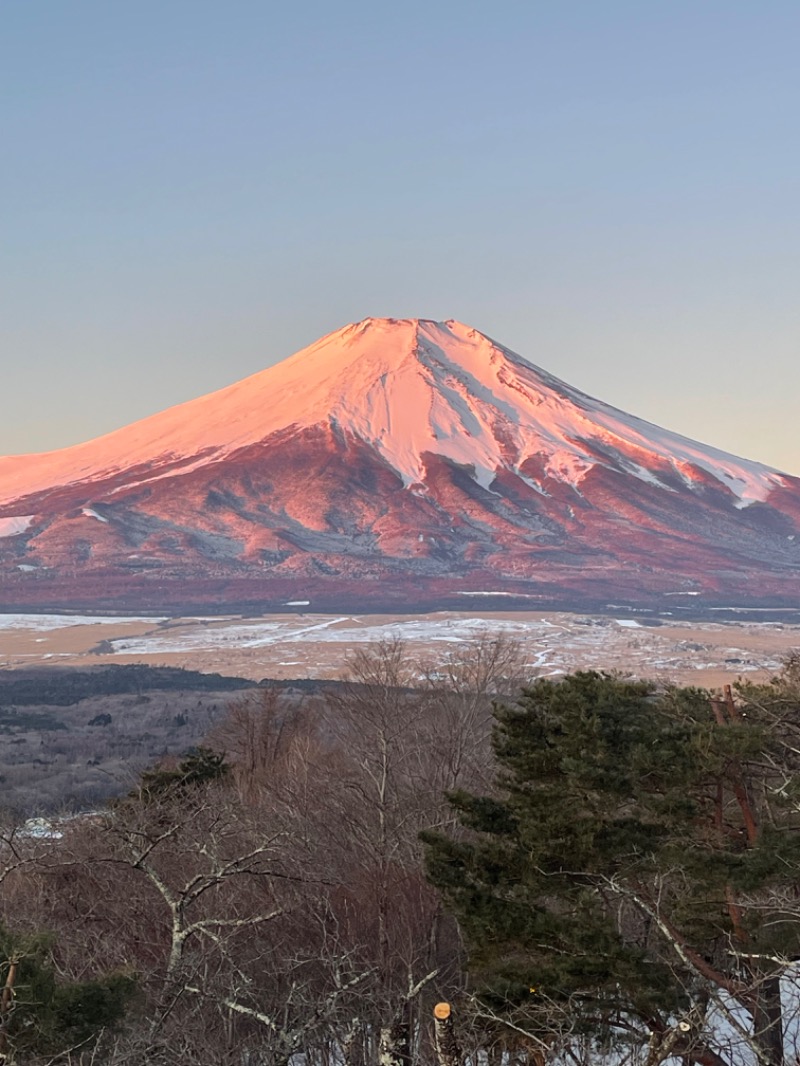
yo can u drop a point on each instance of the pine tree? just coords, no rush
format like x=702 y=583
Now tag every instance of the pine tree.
x=41 y=1013
x=623 y=879
x=198 y=767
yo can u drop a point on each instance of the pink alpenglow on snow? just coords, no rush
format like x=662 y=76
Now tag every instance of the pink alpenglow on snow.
x=388 y=449
x=405 y=387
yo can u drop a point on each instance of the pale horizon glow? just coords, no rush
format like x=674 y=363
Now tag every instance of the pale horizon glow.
x=193 y=194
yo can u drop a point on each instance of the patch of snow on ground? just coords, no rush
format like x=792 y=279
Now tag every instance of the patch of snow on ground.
x=16 y=524
x=91 y=513
x=553 y=644
x=330 y=631
x=40 y=829
x=514 y=595
x=42 y=622
x=758 y=610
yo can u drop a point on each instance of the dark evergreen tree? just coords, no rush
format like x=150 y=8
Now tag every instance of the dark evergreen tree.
x=199 y=767
x=41 y=1014
x=626 y=878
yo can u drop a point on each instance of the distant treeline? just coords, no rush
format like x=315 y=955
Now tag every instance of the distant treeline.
x=61 y=687
x=65 y=686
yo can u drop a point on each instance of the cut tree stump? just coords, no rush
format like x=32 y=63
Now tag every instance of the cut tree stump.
x=448 y=1052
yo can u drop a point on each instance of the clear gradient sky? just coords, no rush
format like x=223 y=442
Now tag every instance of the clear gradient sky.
x=192 y=190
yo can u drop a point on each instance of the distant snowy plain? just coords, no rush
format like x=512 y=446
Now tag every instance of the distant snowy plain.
x=317 y=646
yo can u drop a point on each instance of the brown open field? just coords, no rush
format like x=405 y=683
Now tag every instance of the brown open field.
x=72 y=753
x=312 y=645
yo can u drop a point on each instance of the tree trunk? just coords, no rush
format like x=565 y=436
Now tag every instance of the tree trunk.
x=394 y=1047
x=352 y=1051
x=448 y=1052
x=6 y=1007
x=768 y=1020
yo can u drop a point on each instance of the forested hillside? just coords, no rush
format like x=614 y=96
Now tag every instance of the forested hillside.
x=71 y=739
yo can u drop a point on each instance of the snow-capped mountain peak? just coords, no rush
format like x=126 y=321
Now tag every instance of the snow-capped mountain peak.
x=407 y=387
x=394 y=461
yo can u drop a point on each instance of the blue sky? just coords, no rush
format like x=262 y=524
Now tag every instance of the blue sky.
x=191 y=191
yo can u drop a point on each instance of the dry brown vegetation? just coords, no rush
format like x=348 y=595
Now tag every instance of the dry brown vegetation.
x=264 y=902
x=62 y=750
x=280 y=907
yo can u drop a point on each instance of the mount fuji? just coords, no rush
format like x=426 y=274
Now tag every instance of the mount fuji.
x=395 y=464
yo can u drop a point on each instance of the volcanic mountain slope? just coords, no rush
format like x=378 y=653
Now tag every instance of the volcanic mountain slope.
x=394 y=463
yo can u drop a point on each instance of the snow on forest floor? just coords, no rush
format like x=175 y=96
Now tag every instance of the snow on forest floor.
x=312 y=645
x=45 y=622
